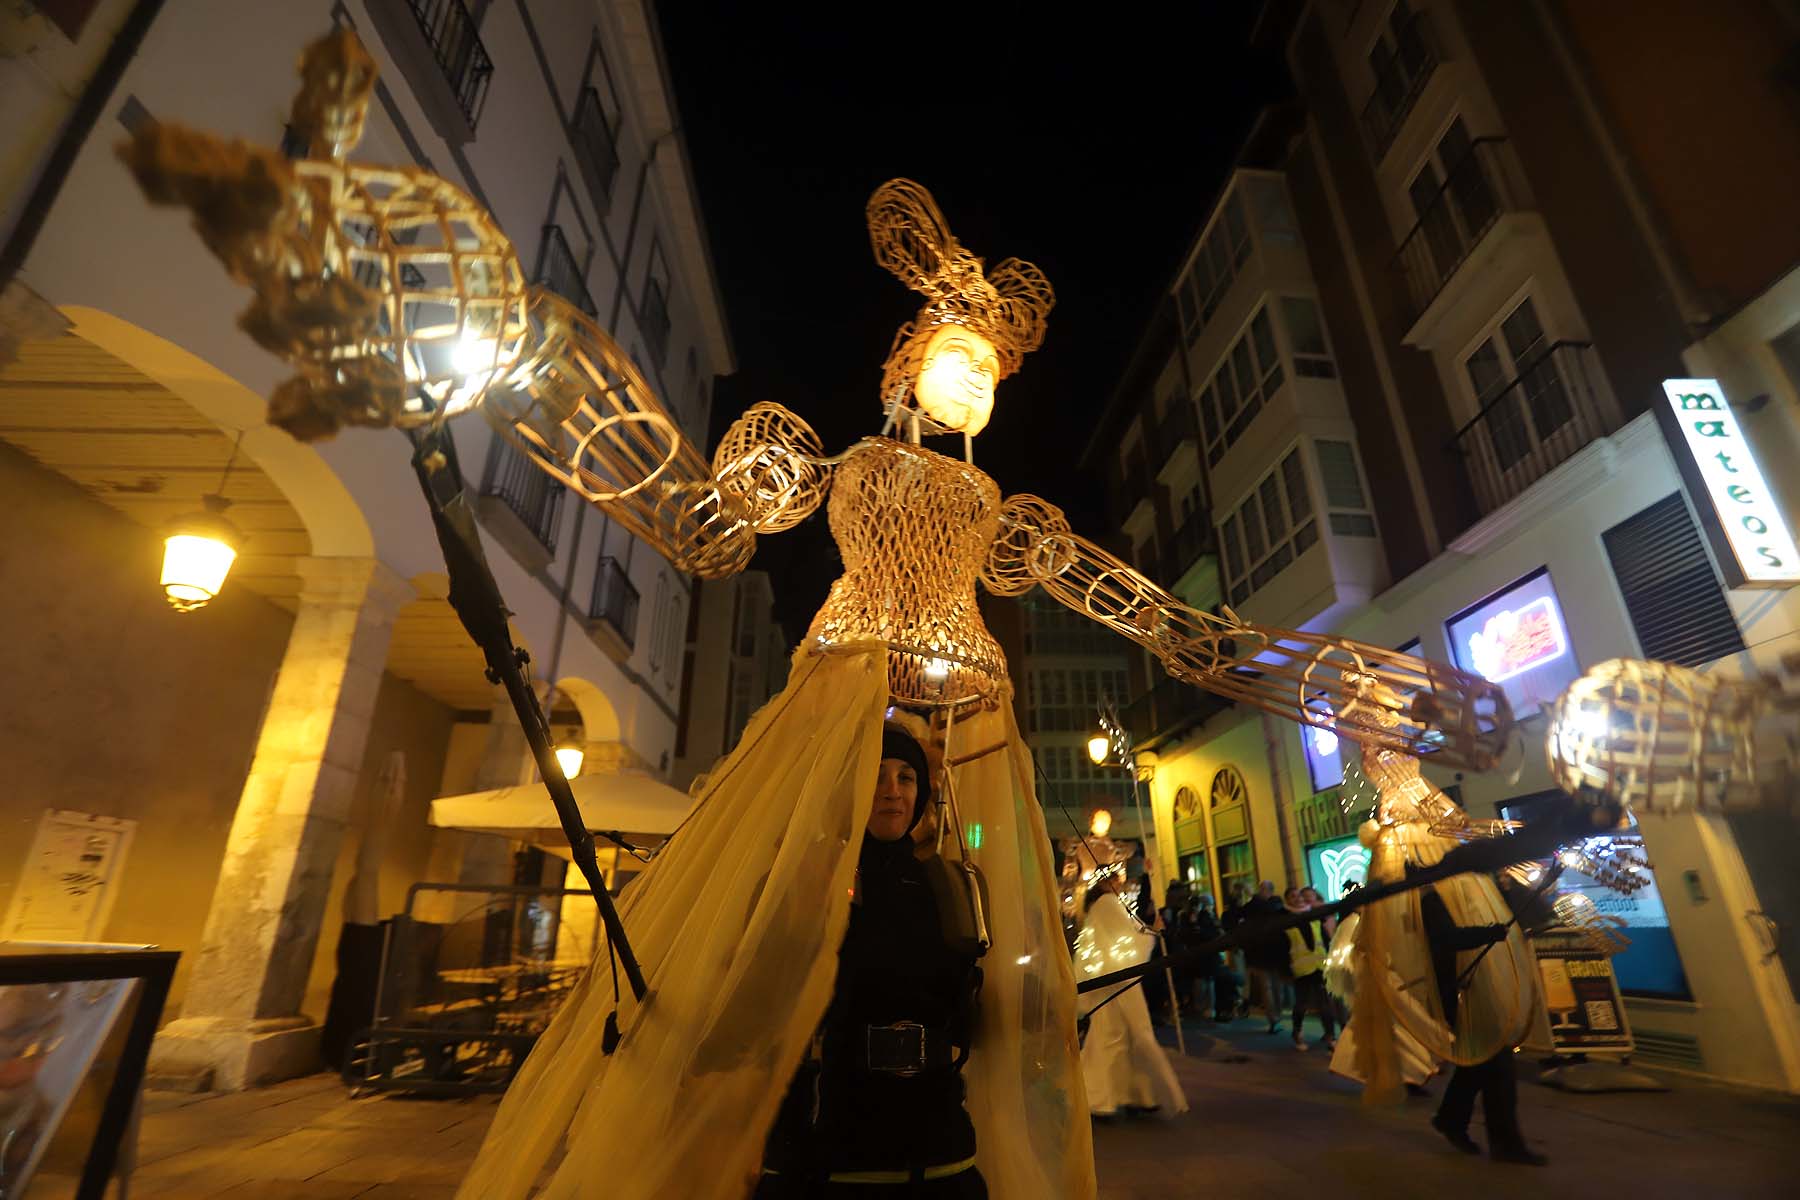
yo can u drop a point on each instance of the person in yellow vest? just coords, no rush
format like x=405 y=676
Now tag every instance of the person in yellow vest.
x=1306 y=962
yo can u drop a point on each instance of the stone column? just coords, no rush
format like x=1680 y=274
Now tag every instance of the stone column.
x=241 y=1018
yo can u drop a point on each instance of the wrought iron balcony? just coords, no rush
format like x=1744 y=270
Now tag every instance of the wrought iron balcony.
x=450 y=29
x=526 y=490
x=615 y=600
x=558 y=271
x=596 y=146
x=1168 y=709
x=654 y=318
x=1472 y=197
x=1398 y=84
x=1538 y=421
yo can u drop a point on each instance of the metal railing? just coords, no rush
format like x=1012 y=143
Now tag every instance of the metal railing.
x=1473 y=195
x=654 y=318
x=451 y=30
x=1534 y=424
x=1398 y=85
x=558 y=271
x=615 y=599
x=1167 y=709
x=526 y=489
x=596 y=145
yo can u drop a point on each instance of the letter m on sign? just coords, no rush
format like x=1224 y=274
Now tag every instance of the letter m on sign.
x=1698 y=400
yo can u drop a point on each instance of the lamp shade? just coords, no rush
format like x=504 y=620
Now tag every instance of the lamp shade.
x=198 y=551
x=569 y=756
x=1098 y=745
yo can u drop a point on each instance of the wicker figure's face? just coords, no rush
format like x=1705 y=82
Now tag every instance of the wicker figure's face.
x=956 y=380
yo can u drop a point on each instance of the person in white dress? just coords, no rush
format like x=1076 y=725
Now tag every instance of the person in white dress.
x=1122 y=1064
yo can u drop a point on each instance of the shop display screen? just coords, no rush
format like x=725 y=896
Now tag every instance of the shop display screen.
x=1517 y=639
x=1331 y=865
x=1323 y=762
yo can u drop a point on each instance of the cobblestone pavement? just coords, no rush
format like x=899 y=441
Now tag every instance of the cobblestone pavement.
x=1265 y=1123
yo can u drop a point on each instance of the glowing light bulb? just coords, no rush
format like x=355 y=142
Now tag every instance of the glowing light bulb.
x=1098 y=746
x=937 y=670
x=1101 y=824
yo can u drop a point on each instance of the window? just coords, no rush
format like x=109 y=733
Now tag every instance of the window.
x=1246 y=378
x=1344 y=498
x=1670 y=588
x=1269 y=205
x=1306 y=338
x=1270 y=529
x=1400 y=60
x=1225 y=248
x=1452 y=198
x=653 y=314
x=1518 y=390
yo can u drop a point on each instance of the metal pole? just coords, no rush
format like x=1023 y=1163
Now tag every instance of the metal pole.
x=1137 y=804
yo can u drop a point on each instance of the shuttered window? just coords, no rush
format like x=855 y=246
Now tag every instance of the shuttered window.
x=1671 y=590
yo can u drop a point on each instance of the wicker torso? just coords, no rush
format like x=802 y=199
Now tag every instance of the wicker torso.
x=914 y=528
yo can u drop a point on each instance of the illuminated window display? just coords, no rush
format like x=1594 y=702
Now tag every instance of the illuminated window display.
x=1333 y=865
x=1651 y=965
x=1517 y=638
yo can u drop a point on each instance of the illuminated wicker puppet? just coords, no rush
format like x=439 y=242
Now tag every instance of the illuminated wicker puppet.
x=398 y=301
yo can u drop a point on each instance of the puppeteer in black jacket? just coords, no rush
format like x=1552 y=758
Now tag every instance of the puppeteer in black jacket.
x=879 y=1099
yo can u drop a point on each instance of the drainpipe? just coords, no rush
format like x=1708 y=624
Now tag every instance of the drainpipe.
x=75 y=133
x=1284 y=800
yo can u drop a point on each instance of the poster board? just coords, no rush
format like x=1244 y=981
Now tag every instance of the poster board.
x=1580 y=1010
x=69 y=881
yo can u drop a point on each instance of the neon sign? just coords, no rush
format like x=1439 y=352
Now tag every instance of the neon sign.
x=1513 y=641
x=1333 y=864
x=1755 y=528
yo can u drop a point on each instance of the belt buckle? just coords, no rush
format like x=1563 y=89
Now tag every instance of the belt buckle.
x=898 y=1048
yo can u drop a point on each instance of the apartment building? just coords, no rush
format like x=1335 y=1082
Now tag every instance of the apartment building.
x=229 y=760
x=737 y=657
x=1512 y=225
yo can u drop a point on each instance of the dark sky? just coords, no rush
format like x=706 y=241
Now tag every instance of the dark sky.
x=1089 y=146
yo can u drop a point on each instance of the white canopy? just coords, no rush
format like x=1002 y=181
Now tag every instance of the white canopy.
x=625 y=802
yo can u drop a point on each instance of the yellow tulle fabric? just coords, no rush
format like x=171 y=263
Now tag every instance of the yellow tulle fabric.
x=737 y=924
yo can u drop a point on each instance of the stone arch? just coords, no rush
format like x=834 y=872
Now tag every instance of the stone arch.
x=334 y=520
x=599 y=719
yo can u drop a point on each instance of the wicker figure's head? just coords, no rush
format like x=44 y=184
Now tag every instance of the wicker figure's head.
x=976 y=326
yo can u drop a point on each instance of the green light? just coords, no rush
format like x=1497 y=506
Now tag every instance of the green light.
x=975 y=836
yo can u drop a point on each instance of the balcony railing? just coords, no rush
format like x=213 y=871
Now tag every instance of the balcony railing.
x=615 y=600
x=655 y=321
x=1472 y=197
x=450 y=29
x=528 y=491
x=558 y=271
x=1398 y=84
x=1167 y=709
x=1534 y=424
x=596 y=146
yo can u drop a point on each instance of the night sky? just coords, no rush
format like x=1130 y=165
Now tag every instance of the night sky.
x=1089 y=148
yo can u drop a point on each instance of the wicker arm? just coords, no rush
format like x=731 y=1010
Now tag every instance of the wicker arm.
x=1460 y=718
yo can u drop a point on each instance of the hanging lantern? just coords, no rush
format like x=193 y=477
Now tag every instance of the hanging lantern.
x=1098 y=745
x=198 y=551
x=569 y=756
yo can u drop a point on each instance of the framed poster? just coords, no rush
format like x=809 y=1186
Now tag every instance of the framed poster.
x=68 y=884
x=1580 y=1010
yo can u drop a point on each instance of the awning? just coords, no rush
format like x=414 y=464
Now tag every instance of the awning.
x=625 y=802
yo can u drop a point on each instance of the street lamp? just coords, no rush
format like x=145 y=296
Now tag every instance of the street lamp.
x=1101 y=823
x=1098 y=746
x=199 y=548
x=569 y=754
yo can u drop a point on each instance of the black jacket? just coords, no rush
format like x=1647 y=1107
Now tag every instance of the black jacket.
x=1446 y=939
x=894 y=966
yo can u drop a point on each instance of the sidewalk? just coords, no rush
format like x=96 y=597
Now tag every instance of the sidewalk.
x=1265 y=1123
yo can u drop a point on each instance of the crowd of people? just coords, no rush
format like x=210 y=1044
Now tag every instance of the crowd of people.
x=1279 y=974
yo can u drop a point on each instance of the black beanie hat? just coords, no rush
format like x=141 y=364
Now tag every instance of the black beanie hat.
x=898 y=743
